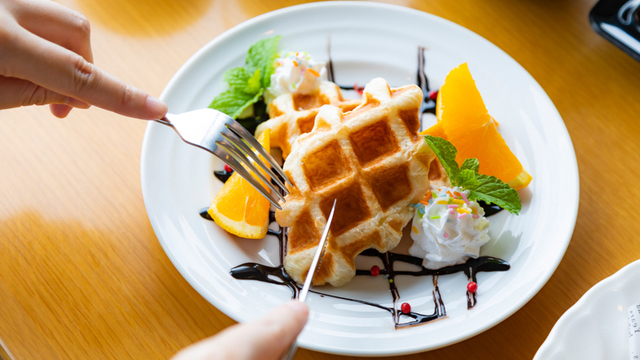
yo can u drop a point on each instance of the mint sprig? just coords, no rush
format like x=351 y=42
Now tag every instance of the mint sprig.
x=489 y=189
x=247 y=84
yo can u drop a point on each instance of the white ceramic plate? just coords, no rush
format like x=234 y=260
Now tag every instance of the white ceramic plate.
x=596 y=326
x=368 y=40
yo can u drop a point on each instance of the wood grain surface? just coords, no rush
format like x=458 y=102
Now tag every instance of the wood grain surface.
x=82 y=275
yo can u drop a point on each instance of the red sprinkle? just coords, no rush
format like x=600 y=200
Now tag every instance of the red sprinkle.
x=405 y=308
x=472 y=287
x=357 y=88
x=227 y=168
x=433 y=95
x=375 y=270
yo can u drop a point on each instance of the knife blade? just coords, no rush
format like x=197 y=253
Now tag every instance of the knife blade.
x=315 y=264
x=317 y=258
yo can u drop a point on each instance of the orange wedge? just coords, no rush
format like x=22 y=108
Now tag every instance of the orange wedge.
x=464 y=121
x=239 y=208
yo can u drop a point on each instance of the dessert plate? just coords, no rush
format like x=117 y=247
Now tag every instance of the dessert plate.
x=596 y=326
x=367 y=40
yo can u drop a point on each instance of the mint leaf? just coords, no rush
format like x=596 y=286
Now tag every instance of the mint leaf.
x=493 y=191
x=261 y=57
x=247 y=84
x=467 y=179
x=490 y=189
x=471 y=164
x=233 y=103
x=446 y=153
x=253 y=84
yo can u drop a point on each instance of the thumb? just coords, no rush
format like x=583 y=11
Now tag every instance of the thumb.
x=17 y=92
x=266 y=338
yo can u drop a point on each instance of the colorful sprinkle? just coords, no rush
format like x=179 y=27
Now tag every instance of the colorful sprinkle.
x=454 y=206
x=451 y=211
x=462 y=215
x=357 y=88
x=475 y=216
x=465 y=198
x=227 y=168
x=446 y=235
x=295 y=63
x=435 y=217
x=375 y=270
x=391 y=281
x=415 y=230
x=441 y=202
x=315 y=73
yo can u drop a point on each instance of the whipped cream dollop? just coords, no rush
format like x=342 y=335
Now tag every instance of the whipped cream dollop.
x=297 y=72
x=448 y=228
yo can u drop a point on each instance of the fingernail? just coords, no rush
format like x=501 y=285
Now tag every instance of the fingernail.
x=156 y=107
x=76 y=103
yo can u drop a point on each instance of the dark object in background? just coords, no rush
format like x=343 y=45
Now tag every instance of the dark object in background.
x=619 y=22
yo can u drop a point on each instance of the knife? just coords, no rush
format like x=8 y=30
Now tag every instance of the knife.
x=317 y=259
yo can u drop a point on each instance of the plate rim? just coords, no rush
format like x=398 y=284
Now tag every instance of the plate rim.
x=603 y=286
x=541 y=281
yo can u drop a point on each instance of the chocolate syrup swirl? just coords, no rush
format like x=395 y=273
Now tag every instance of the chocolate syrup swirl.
x=269 y=274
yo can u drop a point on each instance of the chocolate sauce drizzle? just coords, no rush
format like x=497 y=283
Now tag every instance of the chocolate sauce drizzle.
x=269 y=274
x=277 y=275
x=427 y=105
x=222 y=175
x=489 y=209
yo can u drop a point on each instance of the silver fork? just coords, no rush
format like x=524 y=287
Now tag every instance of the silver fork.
x=225 y=138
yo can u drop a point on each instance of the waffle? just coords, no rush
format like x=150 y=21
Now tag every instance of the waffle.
x=292 y=115
x=374 y=163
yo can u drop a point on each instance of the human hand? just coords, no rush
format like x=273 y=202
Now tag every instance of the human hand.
x=266 y=338
x=46 y=58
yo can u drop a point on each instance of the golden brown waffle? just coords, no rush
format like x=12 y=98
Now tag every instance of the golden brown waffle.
x=292 y=115
x=374 y=163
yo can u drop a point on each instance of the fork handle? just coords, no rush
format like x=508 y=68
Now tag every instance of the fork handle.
x=164 y=121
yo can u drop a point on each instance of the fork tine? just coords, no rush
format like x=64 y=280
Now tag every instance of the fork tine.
x=245 y=135
x=233 y=138
x=238 y=157
x=235 y=165
x=247 y=162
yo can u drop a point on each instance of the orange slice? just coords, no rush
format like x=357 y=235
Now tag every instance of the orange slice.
x=464 y=121
x=239 y=208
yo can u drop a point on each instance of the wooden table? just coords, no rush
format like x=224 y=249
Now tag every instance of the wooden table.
x=82 y=275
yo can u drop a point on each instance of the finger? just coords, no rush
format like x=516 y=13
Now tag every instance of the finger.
x=266 y=338
x=60 y=110
x=17 y=92
x=65 y=72
x=56 y=23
